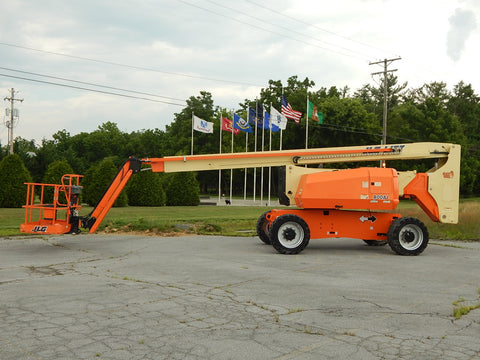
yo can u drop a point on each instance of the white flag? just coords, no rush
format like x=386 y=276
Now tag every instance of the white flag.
x=202 y=125
x=277 y=118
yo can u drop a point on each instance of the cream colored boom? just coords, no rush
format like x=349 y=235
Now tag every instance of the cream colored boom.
x=443 y=178
x=426 y=150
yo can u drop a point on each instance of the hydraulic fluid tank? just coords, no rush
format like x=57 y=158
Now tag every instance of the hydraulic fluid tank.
x=361 y=188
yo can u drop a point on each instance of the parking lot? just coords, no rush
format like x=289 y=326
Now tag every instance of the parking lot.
x=205 y=297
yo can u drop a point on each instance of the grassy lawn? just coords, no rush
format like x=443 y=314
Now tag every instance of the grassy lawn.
x=235 y=220
x=203 y=219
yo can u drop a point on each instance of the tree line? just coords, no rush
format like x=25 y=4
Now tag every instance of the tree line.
x=431 y=112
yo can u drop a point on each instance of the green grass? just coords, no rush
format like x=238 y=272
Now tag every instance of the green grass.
x=236 y=220
x=467 y=229
x=203 y=219
x=10 y=220
x=460 y=308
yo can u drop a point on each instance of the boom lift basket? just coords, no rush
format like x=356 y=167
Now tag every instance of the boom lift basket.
x=58 y=217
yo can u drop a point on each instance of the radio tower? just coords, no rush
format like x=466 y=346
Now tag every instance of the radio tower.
x=10 y=123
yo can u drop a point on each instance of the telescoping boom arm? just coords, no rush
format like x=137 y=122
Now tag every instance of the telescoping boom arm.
x=435 y=191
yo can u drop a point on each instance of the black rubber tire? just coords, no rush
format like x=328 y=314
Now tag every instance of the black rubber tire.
x=289 y=234
x=263 y=229
x=376 y=242
x=407 y=236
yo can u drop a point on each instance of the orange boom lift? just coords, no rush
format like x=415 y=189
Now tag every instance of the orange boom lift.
x=329 y=203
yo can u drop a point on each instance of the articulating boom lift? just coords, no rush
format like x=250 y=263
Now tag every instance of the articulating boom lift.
x=330 y=203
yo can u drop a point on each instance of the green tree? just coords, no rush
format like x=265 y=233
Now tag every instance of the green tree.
x=13 y=175
x=3 y=151
x=145 y=189
x=296 y=92
x=178 y=135
x=90 y=193
x=63 y=144
x=53 y=175
x=148 y=143
x=179 y=132
x=106 y=141
x=346 y=122
x=465 y=105
x=373 y=96
x=96 y=181
x=427 y=117
x=182 y=189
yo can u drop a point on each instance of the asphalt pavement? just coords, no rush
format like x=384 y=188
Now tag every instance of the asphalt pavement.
x=204 y=297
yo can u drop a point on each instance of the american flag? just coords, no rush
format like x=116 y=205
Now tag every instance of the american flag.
x=288 y=112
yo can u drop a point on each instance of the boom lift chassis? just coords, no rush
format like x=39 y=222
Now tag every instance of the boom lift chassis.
x=330 y=203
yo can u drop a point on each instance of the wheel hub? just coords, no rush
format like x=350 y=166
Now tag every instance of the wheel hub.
x=289 y=234
x=408 y=236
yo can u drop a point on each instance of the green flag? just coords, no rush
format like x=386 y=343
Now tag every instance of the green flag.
x=320 y=117
x=313 y=113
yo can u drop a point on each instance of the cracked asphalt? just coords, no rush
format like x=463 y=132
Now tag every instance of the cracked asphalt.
x=204 y=297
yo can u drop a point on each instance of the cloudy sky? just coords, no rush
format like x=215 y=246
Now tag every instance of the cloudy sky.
x=168 y=50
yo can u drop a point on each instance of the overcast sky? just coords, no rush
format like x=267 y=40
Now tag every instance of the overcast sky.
x=231 y=48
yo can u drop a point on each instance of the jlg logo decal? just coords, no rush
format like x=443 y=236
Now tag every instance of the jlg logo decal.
x=40 y=229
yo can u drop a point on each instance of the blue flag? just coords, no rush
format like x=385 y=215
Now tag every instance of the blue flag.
x=254 y=119
x=267 y=124
x=241 y=124
x=251 y=116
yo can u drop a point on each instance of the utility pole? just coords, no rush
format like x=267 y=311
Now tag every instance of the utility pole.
x=10 y=123
x=385 y=63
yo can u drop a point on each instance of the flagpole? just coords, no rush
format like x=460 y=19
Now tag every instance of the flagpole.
x=231 y=170
x=220 y=170
x=270 y=148
x=306 y=128
x=245 y=181
x=281 y=131
x=191 y=148
x=255 y=169
x=263 y=143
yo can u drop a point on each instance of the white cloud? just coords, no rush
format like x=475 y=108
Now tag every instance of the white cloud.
x=462 y=23
x=173 y=37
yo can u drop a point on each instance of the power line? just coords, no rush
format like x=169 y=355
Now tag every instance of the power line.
x=359 y=131
x=263 y=29
x=315 y=26
x=92 y=84
x=92 y=90
x=128 y=66
x=363 y=56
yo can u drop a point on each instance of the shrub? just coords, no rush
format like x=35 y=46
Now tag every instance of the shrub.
x=53 y=175
x=145 y=189
x=13 y=175
x=96 y=181
x=183 y=190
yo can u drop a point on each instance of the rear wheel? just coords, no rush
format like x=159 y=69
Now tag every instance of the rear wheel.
x=407 y=236
x=289 y=234
x=263 y=228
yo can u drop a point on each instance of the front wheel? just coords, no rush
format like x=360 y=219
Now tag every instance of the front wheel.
x=289 y=234
x=407 y=236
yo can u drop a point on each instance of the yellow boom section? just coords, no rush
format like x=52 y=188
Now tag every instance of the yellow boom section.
x=301 y=157
x=442 y=181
